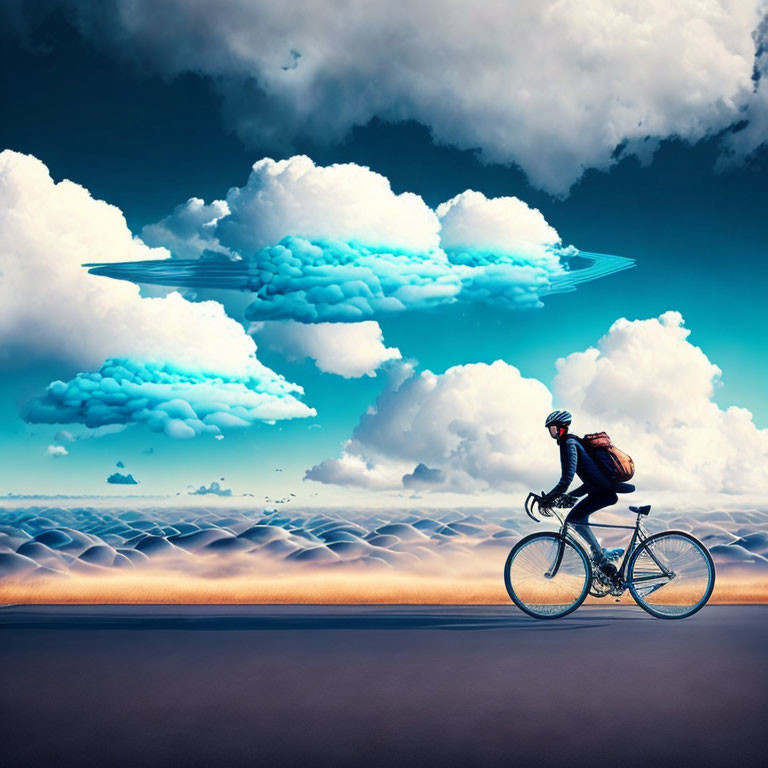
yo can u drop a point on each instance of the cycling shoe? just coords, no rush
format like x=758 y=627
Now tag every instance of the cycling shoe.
x=613 y=554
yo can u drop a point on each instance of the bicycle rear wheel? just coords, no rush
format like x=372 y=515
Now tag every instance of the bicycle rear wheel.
x=671 y=575
x=530 y=585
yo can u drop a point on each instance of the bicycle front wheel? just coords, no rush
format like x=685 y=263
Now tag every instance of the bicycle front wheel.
x=547 y=576
x=671 y=575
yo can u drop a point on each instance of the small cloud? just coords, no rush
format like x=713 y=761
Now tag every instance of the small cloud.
x=350 y=350
x=120 y=464
x=219 y=437
x=422 y=475
x=214 y=488
x=56 y=451
x=149 y=451
x=119 y=479
x=64 y=436
x=295 y=56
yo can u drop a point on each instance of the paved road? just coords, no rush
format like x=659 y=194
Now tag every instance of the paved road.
x=303 y=685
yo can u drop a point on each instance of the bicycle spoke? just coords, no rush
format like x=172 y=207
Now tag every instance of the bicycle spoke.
x=527 y=579
x=671 y=575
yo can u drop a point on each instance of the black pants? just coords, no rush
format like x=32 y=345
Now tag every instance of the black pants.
x=597 y=498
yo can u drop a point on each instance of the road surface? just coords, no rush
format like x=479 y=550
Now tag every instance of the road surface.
x=380 y=685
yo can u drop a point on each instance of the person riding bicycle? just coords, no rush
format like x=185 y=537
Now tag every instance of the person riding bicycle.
x=598 y=490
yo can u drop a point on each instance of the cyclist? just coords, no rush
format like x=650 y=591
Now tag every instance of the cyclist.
x=598 y=490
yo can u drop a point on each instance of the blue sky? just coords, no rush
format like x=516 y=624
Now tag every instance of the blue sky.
x=146 y=140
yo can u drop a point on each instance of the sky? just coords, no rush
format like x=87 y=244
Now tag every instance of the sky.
x=654 y=153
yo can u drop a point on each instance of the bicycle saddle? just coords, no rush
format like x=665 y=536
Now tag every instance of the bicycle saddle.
x=641 y=510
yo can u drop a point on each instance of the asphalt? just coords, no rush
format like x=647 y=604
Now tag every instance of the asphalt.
x=380 y=685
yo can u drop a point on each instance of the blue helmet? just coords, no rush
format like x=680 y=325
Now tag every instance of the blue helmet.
x=559 y=419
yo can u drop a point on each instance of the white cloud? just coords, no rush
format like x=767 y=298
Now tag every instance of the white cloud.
x=347 y=349
x=349 y=203
x=355 y=467
x=346 y=202
x=189 y=229
x=52 y=308
x=652 y=390
x=553 y=86
x=481 y=425
x=501 y=225
x=56 y=451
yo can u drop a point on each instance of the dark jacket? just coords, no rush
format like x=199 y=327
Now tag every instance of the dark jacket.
x=574 y=460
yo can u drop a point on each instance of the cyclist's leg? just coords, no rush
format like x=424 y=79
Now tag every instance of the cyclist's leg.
x=579 y=515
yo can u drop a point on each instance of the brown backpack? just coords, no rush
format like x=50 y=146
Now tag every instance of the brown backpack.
x=617 y=465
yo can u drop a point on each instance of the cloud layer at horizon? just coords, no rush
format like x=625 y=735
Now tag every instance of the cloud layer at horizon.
x=553 y=87
x=214 y=550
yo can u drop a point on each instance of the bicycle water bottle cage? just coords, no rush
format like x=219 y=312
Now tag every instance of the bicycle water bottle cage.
x=641 y=510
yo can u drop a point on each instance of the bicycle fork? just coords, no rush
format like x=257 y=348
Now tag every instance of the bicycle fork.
x=552 y=572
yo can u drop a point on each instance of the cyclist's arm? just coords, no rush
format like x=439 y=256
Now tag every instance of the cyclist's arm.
x=568 y=459
x=580 y=491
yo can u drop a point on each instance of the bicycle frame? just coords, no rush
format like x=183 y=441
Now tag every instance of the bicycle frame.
x=568 y=532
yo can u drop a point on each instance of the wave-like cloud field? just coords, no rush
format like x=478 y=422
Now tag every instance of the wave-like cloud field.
x=233 y=555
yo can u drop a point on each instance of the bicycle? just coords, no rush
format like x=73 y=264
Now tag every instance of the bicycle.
x=548 y=575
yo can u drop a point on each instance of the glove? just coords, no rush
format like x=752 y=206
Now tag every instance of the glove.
x=565 y=501
x=545 y=505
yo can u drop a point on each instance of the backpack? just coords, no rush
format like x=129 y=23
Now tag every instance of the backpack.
x=617 y=465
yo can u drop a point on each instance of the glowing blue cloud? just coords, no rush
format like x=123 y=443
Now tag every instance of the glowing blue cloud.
x=334 y=281
x=336 y=244
x=180 y=403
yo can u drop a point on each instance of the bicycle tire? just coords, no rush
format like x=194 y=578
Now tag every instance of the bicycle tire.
x=568 y=561
x=669 y=612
